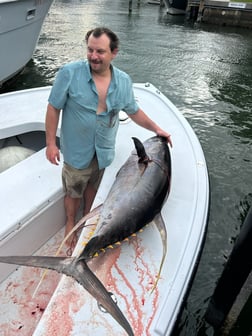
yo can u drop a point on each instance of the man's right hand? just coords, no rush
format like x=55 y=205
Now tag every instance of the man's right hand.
x=53 y=154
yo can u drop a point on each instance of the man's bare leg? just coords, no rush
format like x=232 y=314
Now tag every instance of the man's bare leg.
x=71 y=206
x=89 y=196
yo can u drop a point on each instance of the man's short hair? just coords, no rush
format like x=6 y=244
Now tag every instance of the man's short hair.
x=97 y=32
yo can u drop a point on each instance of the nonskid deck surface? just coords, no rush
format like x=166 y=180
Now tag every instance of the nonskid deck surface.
x=20 y=308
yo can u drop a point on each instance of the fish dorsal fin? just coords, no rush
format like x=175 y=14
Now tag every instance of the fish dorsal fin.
x=141 y=153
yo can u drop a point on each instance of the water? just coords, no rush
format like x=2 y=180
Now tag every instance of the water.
x=206 y=71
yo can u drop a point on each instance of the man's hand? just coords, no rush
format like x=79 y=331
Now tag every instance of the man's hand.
x=166 y=135
x=53 y=154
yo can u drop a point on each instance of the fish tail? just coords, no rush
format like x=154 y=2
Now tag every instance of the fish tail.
x=79 y=270
x=94 y=286
x=54 y=263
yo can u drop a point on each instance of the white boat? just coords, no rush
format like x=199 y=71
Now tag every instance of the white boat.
x=32 y=218
x=20 y=26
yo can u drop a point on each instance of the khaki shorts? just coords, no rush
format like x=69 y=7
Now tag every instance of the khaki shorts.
x=75 y=180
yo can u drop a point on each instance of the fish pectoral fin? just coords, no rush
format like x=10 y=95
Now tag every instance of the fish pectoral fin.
x=159 y=222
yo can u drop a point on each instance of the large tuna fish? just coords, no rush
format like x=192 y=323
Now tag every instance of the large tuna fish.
x=135 y=199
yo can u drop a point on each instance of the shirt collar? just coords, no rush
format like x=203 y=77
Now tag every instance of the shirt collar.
x=89 y=74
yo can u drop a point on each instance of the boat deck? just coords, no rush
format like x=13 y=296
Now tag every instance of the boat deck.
x=130 y=270
x=31 y=205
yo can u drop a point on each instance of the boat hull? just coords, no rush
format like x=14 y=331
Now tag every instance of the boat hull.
x=20 y=26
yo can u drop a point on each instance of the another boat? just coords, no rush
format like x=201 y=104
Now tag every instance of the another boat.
x=176 y=7
x=20 y=26
x=32 y=220
x=154 y=2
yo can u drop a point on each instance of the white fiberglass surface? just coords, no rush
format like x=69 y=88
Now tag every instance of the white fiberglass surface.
x=129 y=271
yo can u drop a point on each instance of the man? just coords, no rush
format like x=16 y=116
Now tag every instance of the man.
x=90 y=94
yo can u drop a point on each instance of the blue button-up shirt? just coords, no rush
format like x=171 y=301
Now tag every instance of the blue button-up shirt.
x=83 y=131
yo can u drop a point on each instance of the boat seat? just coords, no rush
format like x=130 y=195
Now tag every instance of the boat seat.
x=26 y=189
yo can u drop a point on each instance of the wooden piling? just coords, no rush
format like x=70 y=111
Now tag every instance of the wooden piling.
x=234 y=275
x=130 y=6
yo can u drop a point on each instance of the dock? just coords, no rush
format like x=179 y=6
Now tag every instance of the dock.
x=219 y=12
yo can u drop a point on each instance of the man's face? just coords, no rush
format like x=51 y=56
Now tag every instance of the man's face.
x=99 y=54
